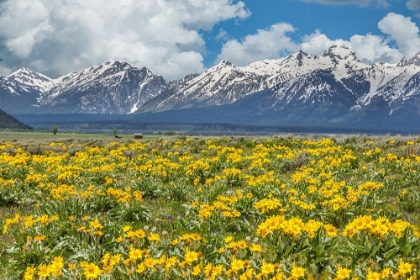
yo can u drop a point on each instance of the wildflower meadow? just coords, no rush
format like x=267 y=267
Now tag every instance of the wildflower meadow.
x=279 y=207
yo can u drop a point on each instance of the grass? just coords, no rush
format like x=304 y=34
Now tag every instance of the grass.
x=36 y=136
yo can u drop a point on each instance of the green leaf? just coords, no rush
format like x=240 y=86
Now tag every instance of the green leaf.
x=376 y=249
x=304 y=251
x=319 y=250
x=346 y=252
x=359 y=248
x=177 y=252
x=391 y=252
x=272 y=247
x=391 y=242
x=159 y=254
x=406 y=250
x=321 y=259
x=211 y=254
x=289 y=249
x=317 y=238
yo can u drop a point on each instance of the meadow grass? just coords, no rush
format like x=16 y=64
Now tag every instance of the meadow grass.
x=39 y=137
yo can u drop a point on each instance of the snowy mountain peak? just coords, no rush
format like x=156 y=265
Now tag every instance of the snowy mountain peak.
x=299 y=57
x=115 y=63
x=147 y=71
x=26 y=78
x=340 y=51
x=108 y=67
x=111 y=87
x=414 y=60
x=22 y=71
x=300 y=54
x=225 y=62
x=100 y=71
x=26 y=72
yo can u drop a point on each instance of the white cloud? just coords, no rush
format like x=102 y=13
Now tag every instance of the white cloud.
x=368 y=48
x=4 y=70
x=371 y=49
x=56 y=37
x=413 y=5
x=223 y=35
x=363 y=3
x=316 y=43
x=275 y=42
x=267 y=43
x=403 y=31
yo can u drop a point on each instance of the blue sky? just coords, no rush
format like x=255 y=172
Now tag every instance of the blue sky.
x=337 y=21
x=177 y=37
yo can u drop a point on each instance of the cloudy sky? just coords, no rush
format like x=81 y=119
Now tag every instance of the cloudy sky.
x=178 y=37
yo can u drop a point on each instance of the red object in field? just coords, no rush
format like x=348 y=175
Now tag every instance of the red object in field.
x=138 y=136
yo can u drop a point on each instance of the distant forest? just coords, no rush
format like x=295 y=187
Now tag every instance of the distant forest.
x=128 y=124
x=7 y=121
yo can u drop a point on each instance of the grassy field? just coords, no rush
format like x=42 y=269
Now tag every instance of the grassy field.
x=40 y=137
x=84 y=206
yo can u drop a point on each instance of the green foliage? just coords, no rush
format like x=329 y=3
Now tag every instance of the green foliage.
x=7 y=121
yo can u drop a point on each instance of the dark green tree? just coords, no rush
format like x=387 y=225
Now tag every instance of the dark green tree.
x=54 y=130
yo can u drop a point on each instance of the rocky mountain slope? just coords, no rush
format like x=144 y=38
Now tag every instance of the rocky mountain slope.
x=21 y=91
x=335 y=87
x=111 y=87
x=336 y=81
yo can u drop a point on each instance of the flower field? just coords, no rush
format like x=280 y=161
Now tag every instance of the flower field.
x=211 y=208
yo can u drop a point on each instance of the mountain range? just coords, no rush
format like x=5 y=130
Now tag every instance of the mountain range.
x=300 y=89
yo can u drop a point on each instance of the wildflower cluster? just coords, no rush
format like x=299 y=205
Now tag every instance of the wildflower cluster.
x=218 y=208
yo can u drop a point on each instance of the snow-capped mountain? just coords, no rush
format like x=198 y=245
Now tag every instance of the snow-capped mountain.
x=336 y=85
x=300 y=77
x=111 y=87
x=22 y=90
x=219 y=85
x=30 y=80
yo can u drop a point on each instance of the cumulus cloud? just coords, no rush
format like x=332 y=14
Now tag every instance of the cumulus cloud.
x=368 y=48
x=316 y=43
x=347 y=2
x=403 y=31
x=371 y=48
x=55 y=37
x=266 y=43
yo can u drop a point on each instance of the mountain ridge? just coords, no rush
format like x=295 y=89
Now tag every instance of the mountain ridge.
x=336 y=84
x=9 y=122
